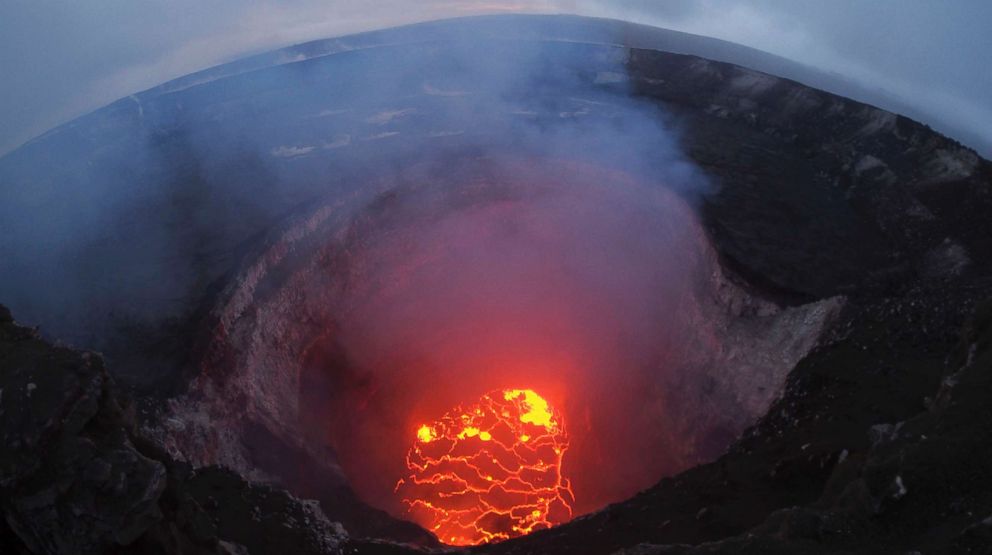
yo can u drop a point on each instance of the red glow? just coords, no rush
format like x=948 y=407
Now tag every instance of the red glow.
x=575 y=282
x=489 y=471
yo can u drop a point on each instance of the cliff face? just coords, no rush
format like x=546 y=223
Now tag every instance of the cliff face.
x=72 y=477
x=77 y=477
x=820 y=195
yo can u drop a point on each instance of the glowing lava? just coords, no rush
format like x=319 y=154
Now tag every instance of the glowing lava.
x=489 y=471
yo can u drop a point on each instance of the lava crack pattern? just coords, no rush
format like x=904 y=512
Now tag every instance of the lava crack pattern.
x=489 y=471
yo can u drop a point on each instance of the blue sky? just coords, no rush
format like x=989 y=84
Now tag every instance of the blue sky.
x=62 y=58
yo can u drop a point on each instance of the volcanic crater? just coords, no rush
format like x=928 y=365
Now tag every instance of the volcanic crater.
x=600 y=292
x=668 y=300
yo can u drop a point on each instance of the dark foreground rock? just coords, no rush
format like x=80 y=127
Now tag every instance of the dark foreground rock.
x=882 y=442
x=75 y=477
x=922 y=485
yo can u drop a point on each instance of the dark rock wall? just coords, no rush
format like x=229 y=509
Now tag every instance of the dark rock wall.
x=818 y=195
x=917 y=484
x=76 y=477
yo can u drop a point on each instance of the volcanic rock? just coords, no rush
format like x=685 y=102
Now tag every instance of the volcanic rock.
x=853 y=253
x=76 y=477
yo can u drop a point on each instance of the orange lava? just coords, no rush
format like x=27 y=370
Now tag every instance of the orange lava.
x=489 y=471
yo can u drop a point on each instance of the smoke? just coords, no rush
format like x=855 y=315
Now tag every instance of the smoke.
x=63 y=59
x=66 y=58
x=125 y=218
x=905 y=57
x=568 y=279
x=545 y=240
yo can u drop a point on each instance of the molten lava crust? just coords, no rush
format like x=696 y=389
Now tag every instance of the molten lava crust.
x=489 y=471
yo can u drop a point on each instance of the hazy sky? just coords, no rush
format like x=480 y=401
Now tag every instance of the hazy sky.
x=62 y=58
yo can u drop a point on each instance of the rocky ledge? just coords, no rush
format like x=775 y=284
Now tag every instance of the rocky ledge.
x=77 y=477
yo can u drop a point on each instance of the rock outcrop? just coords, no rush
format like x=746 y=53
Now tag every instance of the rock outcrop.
x=76 y=477
x=922 y=485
